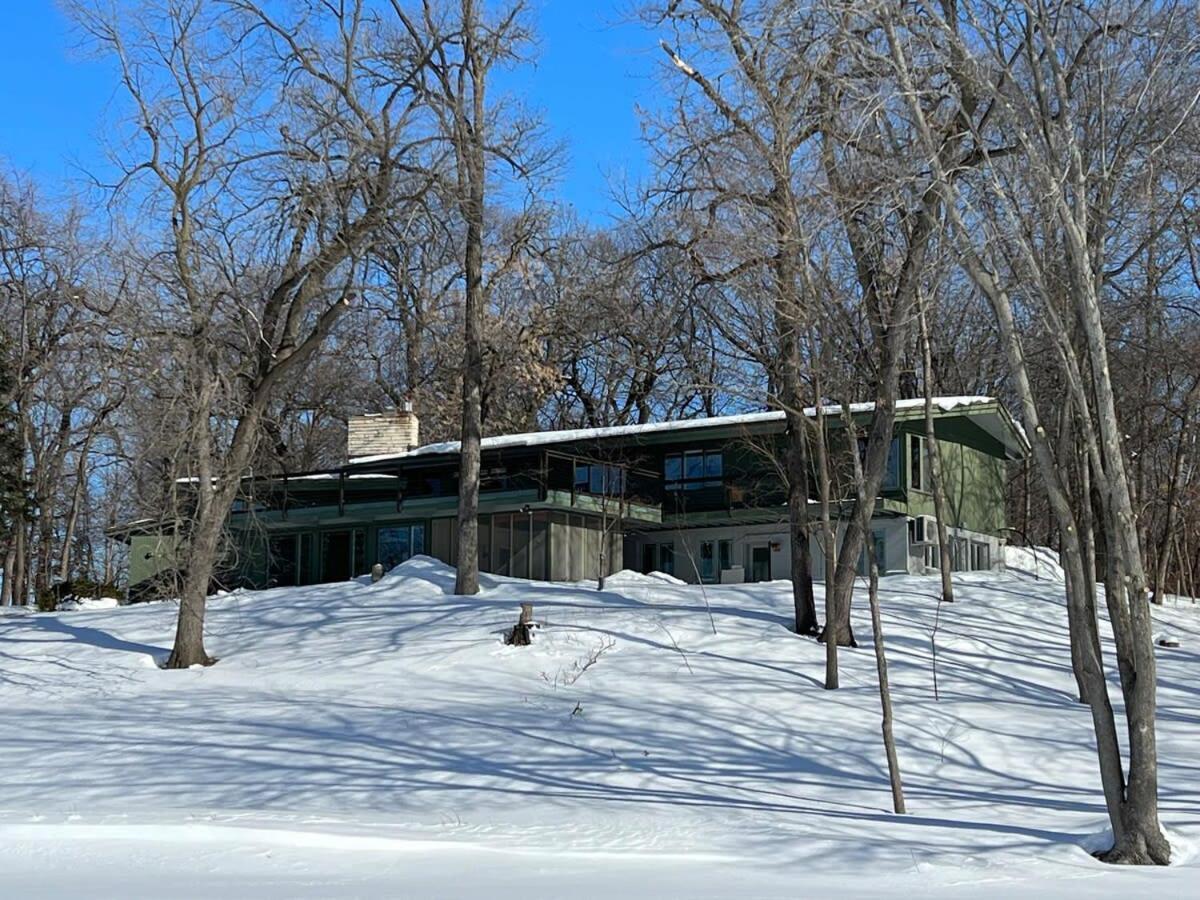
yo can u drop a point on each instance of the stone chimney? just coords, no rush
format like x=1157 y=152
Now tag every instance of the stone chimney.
x=379 y=434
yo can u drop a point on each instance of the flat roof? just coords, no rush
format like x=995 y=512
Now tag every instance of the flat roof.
x=987 y=413
x=943 y=405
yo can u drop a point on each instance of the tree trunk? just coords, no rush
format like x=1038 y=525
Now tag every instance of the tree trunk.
x=803 y=597
x=20 y=569
x=933 y=453
x=203 y=551
x=470 y=140
x=885 y=693
x=6 y=589
x=1132 y=808
x=64 y=567
x=1164 y=543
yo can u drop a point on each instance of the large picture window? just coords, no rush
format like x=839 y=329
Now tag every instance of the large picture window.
x=397 y=543
x=891 y=472
x=594 y=478
x=693 y=470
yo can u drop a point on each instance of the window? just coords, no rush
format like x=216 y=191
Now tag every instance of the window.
x=891 y=471
x=919 y=478
x=980 y=556
x=714 y=465
x=919 y=530
x=725 y=554
x=501 y=544
x=283 y=561
x=693 y=470
x=933 y=556
x=673 y=471
x=343 y=555
x=396 y=543
x=648 y=558
x=599 y=479
x=707 y=562
x=960 y=555
x=666 y=558
x=916 y=462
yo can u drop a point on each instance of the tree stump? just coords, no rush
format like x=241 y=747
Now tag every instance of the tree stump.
x=522 y=633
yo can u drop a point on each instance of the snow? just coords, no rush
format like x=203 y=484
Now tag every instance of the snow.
x=631 y=579
x=1036 y=562
x=380 y=740
x=78 y=604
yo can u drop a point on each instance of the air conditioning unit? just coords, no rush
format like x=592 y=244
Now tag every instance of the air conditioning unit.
x=924 y=529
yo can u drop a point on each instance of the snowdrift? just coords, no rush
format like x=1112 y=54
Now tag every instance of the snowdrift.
x=1040 y=563
x=656 y=740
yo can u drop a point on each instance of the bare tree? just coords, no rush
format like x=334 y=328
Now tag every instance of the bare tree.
x=933 y=456
x=738 y=157
x=1045 y=87
x=270 y=156
x=484 y=138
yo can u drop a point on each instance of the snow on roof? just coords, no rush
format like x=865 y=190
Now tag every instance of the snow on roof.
x=539 y=438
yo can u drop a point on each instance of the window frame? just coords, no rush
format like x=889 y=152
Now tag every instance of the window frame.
x=918 y=470
x=611 y=479
x=709 y=476
x=724 y=555
x=413 y=546
x=708 y=566
x=891 y=471
x=666 y=557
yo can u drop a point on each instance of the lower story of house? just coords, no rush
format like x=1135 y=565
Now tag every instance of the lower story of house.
x=762 y=552
x=552 y=545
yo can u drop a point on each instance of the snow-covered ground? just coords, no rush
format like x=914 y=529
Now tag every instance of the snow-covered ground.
x=657 y=740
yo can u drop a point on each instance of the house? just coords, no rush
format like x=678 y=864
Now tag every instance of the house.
x=701 y=499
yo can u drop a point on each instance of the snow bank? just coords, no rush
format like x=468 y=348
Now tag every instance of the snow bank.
x=1036 y=562
x=657 y=739
x=630 y=578
x=76 y=604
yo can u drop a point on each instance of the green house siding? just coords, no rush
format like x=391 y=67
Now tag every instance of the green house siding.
x=150 y=555
x=974 y=486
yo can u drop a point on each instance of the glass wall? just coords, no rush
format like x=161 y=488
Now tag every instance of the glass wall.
x=395 y=544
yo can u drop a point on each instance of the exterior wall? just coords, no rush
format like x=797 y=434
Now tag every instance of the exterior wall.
x=774 y=536
x=924 y=558
x=892 y=534
x=974 y=485
x=149 y=556
x=575 y=543
x=393 y=431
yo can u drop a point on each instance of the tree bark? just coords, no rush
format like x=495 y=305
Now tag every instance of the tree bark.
x=803 y=597
x=470 y=139
x=885 y=692
x=934 y=455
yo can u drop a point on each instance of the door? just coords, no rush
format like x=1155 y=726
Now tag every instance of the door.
x=648 y=558
x=283 y=558
x=760 y=563
x=336 y=547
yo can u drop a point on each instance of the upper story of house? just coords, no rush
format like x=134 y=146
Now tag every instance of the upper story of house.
x=689 y=473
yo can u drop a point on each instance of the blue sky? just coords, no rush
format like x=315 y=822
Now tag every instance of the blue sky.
x=593 y=67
